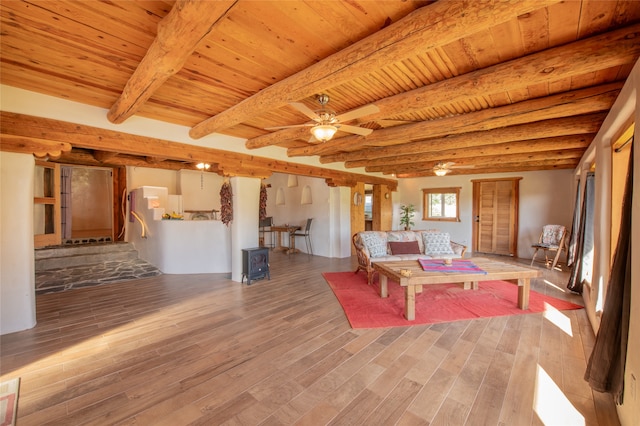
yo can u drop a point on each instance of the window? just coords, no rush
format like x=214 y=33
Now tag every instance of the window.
x=441 y=204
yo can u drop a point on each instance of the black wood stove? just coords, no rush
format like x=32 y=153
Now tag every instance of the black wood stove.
x=255 y=264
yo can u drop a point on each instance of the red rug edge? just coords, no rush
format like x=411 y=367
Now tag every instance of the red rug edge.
x=400 y=321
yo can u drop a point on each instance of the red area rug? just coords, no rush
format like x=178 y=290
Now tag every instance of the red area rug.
x=437 y=303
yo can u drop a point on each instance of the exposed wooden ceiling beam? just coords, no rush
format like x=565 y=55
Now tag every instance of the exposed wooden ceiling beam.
x=103 y=156
x=426 y=28
x=87 y=158
x=568 y=126
x=522 y=159
x=577 y=102
x=589 y=55
x=32 y=145
x=502 y=168
x=179 y=34
x=82 y=136
x=491 y=150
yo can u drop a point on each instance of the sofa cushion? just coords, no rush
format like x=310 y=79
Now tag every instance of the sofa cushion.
x=437 y=243
x=404 y=247
x=375 y=242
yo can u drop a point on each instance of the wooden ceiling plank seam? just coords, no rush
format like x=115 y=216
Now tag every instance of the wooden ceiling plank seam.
x=50 y=17
x=260 y=26
x=533 y=39
x=538 y=90
x=595 y=17
x=402 y=71
x=507 y=46
x=417 y=69
x=559 y=86
x=583 y=80
x=564 y=20
x=368 y=52
x=424 y=63
x=92 y=68
x=125 y=14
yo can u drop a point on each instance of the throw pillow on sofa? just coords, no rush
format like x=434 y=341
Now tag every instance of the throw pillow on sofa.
x=437 y=243
x=404 y=247
x=375 y=243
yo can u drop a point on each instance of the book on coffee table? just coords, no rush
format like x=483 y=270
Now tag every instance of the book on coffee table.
x=458 y=266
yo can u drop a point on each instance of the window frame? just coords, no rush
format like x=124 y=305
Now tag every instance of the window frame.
x=426 y=192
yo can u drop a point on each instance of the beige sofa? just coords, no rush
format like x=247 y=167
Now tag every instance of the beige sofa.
x=383 y=246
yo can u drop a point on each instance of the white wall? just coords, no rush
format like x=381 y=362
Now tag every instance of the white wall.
x=178 y=246
x=199 y=190
x=546 y=197
x=17 y=269
x=292 y=212
x=246 y=219
x=626 y=107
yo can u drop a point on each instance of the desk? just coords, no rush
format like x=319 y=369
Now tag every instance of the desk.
x=516 y=274
x=292 y=241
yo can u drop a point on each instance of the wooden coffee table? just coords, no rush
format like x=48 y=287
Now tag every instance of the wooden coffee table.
x=516 y=274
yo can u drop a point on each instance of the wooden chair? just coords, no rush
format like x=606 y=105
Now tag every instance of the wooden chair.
x=551 y=239
x=307 y=236
x=265 y=230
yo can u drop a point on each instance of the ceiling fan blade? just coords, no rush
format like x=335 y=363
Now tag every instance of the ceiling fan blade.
x=358 y=112
x=305 y=110
x=289 y=127
x=354 y=129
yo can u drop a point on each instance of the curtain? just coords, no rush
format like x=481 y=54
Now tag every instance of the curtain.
x=65 y=200
x=573 y=240
x=605 y=370
x=582 y=268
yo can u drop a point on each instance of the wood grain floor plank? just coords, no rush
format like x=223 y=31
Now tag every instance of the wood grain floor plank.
x=202 y=349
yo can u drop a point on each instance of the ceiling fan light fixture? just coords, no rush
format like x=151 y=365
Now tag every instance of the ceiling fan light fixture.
x=440 y=172
x=324 y=132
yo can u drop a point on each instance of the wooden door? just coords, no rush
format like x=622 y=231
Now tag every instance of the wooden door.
x=46 y=205
x=495 y=212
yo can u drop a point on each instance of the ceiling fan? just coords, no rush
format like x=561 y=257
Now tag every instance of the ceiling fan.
x=441 y=169
x=326 y=123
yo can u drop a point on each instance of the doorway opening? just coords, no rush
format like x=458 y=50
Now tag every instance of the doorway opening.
x=86 y=204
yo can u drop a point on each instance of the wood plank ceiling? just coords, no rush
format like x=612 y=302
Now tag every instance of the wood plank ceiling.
x=500 y=86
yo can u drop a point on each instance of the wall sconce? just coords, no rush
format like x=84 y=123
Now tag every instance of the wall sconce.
x=292 y=181
x=280 y=197
x=203 y=166
x=306 y=195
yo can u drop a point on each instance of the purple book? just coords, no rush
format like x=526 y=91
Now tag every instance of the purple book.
x=458 y=266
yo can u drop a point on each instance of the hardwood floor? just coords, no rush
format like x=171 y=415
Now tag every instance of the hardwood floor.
x=204 y=350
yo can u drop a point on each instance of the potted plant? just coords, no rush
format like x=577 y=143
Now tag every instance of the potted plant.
x=406 y=214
